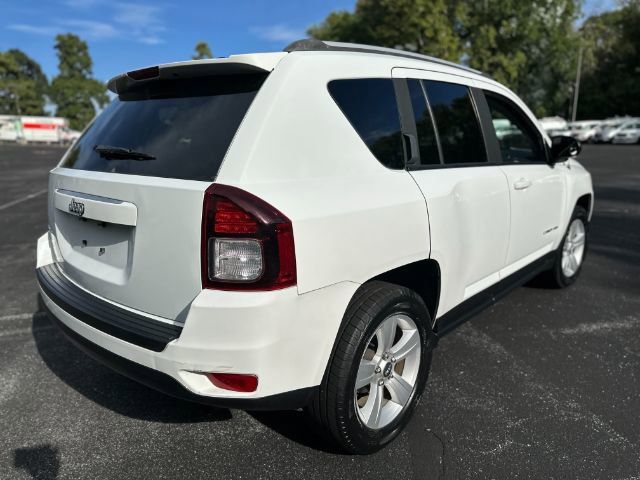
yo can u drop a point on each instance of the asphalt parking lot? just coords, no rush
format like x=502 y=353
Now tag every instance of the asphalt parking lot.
x=545 y=384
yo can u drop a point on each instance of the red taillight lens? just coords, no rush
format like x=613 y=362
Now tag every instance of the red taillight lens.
x=229 y=218
x=287 y=261
x=235 y=382
x=246 y=243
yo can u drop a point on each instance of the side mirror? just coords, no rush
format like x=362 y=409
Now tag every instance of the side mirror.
x=563 y=147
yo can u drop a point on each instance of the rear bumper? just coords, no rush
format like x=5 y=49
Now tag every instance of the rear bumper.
x=168 y=385
x=105 y=316
x=282 y=337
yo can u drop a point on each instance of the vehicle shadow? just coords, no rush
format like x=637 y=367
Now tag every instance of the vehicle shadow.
x=297 y=426
x=41 y=462
x=110 y=389
x=129 y=398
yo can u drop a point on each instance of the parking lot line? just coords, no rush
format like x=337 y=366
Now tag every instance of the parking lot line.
x=25 y=330
x=21 y=316
x=23 y=199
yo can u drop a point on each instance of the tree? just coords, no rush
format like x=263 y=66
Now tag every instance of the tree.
x=611 y=66
x=530 y=46
x=202 y=51
x=427 y=26
x=74 y=89
x=23 y=86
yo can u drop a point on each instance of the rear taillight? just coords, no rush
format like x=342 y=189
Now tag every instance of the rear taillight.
x=246 y=243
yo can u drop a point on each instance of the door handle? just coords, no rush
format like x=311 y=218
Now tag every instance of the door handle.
x=522 y=184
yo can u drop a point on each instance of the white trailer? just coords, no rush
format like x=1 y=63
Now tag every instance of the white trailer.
x=43 y=129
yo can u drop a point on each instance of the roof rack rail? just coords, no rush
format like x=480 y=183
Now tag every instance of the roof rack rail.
x=315 y=45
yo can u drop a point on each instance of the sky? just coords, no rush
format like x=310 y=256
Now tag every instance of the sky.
x=129 y=34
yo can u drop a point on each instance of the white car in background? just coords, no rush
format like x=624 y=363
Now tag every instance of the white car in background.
x=584 y=130
x=610 y=129
x=68 y=136
x=629 y=133
x=555 y=126
x=296 y=229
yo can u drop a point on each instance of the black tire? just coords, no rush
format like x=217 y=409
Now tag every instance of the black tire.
x=555 y=277
x=334 y=406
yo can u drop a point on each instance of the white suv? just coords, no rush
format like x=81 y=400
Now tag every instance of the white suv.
x=295 y=229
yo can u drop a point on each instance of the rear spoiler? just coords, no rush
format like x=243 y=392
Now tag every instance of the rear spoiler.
x=233 y=65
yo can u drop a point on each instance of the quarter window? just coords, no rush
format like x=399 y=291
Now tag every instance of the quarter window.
x=427 y=142
x=518 y=139
x=458 y=127
x=370 y=106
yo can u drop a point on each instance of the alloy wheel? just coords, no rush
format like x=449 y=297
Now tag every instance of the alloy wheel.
x=573 y=248
x=388 y=371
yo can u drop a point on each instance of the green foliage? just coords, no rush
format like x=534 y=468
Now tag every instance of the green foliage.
x=202 y=51
x=423 y=26
x=74 y=90
x=73 y=97
x=611 y=66
x=530 y=46
x=73 y=56
x=22 y=84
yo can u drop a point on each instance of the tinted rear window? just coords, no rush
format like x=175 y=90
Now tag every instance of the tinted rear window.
x=370 y=105
x=187 y=125
x=459 y=131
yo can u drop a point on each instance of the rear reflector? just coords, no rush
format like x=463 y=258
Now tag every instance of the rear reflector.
x=236 y=382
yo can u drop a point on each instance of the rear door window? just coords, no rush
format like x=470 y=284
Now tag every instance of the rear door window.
x=370 y=106
x=458 y=126
x=186 y=126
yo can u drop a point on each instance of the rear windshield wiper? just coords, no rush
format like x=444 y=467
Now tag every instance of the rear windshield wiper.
x=121 y=153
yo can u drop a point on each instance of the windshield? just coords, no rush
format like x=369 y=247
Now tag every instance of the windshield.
x=183 y=128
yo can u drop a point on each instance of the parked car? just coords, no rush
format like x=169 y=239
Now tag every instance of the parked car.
x=584 y=130
x=629 y=133
x=297 y=229
x=610 y=129
x=555 y=126
x=68 y=136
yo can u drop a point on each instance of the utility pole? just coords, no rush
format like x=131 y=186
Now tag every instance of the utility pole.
x=576 y=90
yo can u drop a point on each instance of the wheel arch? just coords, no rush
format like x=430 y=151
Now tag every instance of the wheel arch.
x=422 y=276
x=585 y=201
